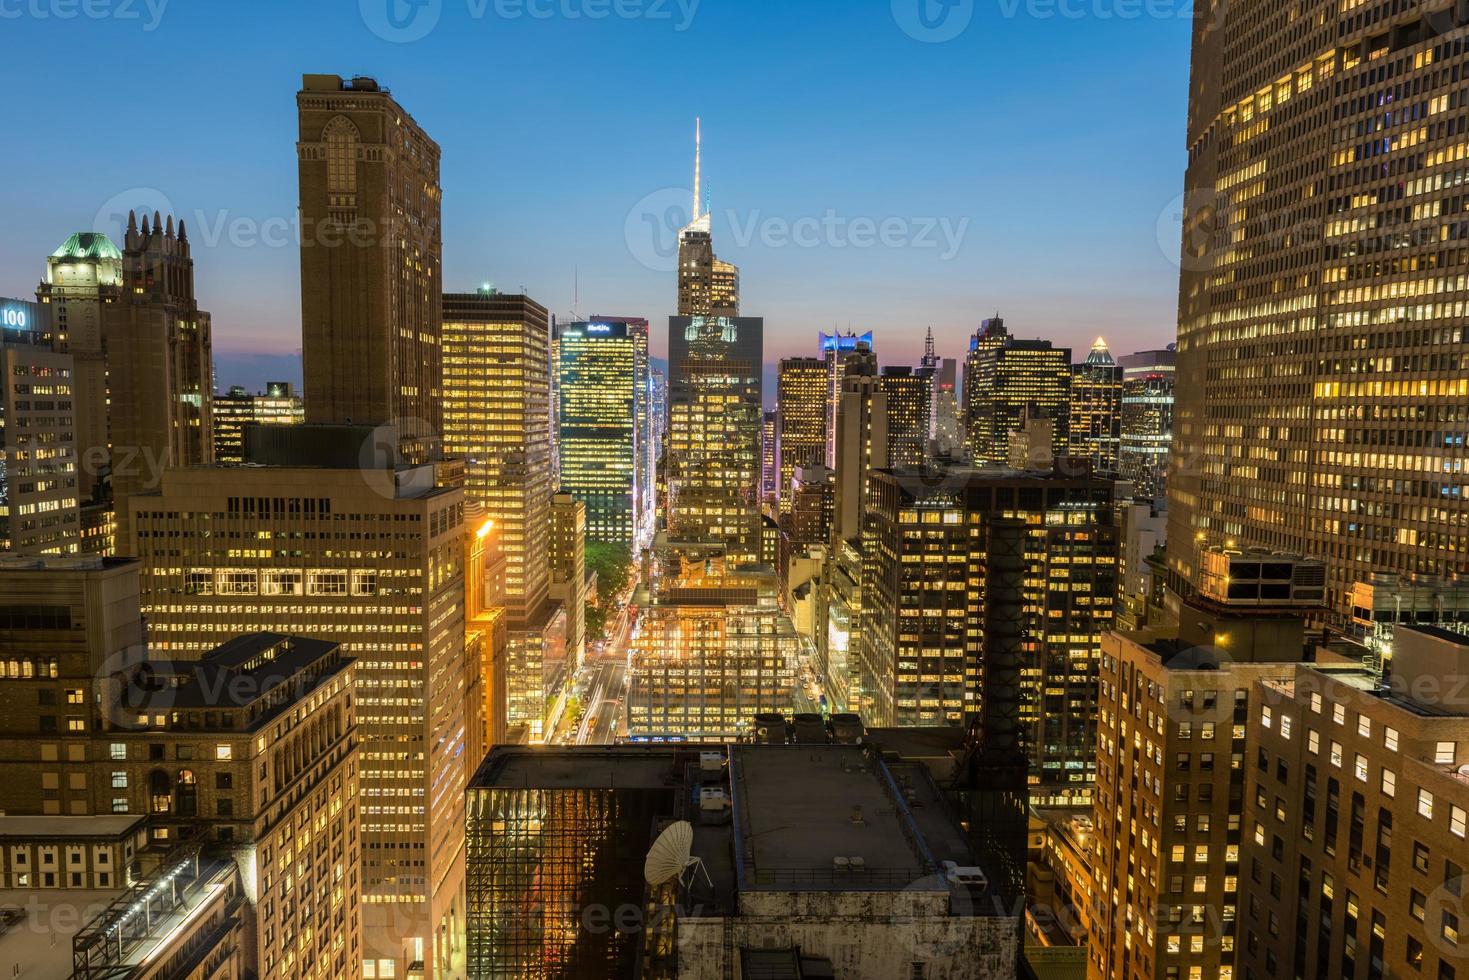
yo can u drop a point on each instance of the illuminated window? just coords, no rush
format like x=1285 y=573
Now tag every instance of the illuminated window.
x=341 y=138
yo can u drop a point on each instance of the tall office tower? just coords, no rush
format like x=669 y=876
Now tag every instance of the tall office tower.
x=813 y=506
x=863 y=435
x=769 y=458
x=835 y=349
x=990 y=335
x=706 y=286
x=599 y=438
x=1344 y=772
x=82 y=286
x=1096 y=410
x=861 y=447
x=1009 y=382
x=160 y=367
x=929 y=622
x=278 y=404
x=658 y=385
x=38 y=456
x=484 y=625
x=66 y=625
x=568 y=554
x=1322 y=409
x=497 y=418
x=558 y=832
x=261 y=736
x=715 y=382
x=394 y=598
x=645 y=507
x=371 y=273
x=713 y=650
x=801 y=406
x=946 y=434
x=1171 y=754
x=1147 y=420
x=910 y=413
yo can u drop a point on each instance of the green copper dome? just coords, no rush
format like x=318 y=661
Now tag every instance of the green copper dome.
x=87 y=245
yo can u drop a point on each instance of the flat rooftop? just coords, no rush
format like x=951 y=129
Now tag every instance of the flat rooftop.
x=70 y=828
x=268 y=661
x=581 y=767
x=800 y=807
x=36 y=944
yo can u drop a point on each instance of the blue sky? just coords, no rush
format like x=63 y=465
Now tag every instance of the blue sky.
x=860 y=176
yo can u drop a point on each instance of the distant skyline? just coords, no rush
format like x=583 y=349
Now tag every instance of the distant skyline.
x=859 y=177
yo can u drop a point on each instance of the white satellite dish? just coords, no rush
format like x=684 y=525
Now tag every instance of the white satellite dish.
x=670 y=856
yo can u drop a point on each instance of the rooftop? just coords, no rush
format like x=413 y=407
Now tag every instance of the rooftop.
x=69 y=828
x=801 y=808
x=579 y=767
x=270 y=667
x=36 y=927
x=87 y=245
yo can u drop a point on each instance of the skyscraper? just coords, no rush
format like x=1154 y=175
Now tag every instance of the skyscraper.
x=160 y=366
x=861 y=448
x=944 y=432
x=939 y=601
x=801 y=406
x=910 y=413
x=990 y=335
x=1171 y=811
x=1376 y=843
x=835 y=347
x=1321 y=386
x=715 y=384
x=599 y=438
x=371 y=246
x=769 y=458
x=83 y=283
x=1008 y=380
x=1147 y=420
x=706 y=286
x=393 y=596
x=497 y=418
x=568 y=551
x=38 y=455
x=1096 y=409
x=645 y=507
x=713 y=650
x=278 y=404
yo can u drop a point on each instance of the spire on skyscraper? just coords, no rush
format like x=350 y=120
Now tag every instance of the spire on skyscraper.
x=1100 y=354
x=700 y=219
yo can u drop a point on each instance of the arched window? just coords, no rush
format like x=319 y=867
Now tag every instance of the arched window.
x=341 y=139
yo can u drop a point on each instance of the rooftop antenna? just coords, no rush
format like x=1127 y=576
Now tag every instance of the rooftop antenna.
x=697 y=152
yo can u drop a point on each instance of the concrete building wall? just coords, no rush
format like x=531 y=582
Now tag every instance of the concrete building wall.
x=866 y=935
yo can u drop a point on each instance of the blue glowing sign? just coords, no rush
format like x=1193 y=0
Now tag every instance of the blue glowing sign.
x=17 y=314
